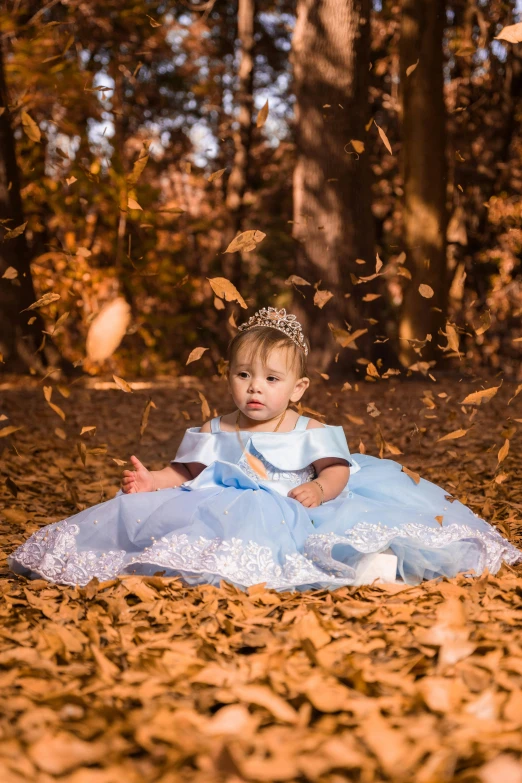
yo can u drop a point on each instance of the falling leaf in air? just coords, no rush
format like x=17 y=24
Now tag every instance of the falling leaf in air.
x=511 y=33
x=384 y=139
x=262 y=116
x=321 y=298
x=122 y=384
x=15 y=232
x=503 y=452
x=195 y=354
x=6 y=431
x=484 y=395
x=205 y=408
x=439 y=518
x=246 y=241
x=426 y=291
x=296 y=280
x=31 y=129
x=107 y=330
x=10 y=273
x=226 y=290
x=485 y=323
x=453 y=435
x=411 y=68
x=133 y=204
x=42 y=302
x=453 y=338
x=138 y=167
x=357 y=145
x=517 y=391
x=48 y=390
x=87 y=429
x=145 y=415
x=345 y=338
x=216 y=175
x=70 y=181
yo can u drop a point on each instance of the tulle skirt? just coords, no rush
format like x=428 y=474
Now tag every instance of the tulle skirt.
x=226 y=525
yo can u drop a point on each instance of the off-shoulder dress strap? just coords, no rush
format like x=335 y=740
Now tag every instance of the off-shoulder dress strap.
x=214 y=424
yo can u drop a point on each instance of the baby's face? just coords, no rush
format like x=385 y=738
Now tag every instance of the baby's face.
x=272 y=385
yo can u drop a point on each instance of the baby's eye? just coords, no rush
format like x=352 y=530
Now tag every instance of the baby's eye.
x=242 y=374
x=272 y=377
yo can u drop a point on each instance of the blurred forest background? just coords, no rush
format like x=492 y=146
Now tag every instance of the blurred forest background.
x=372 y=148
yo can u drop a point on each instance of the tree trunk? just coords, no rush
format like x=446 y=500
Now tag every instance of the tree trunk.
x=19 y=340
x=242 y=136
x=425 y=175
x=333 y=223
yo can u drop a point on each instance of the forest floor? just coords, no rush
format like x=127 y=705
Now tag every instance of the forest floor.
x=144 y=679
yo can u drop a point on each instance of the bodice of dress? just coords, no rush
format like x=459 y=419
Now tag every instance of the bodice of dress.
x=274 y=473
x=286 y=456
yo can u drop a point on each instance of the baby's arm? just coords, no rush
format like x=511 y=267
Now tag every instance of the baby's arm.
x=178 y=472
x=332 y=474
x=142 y=480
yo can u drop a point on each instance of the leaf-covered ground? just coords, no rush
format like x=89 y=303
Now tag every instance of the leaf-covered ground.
x=143 y=679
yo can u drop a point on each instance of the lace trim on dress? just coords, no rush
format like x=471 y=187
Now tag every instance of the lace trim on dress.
x=52 y=554
x=296 y=477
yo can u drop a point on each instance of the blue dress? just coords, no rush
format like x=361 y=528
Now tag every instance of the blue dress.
x=229 y=523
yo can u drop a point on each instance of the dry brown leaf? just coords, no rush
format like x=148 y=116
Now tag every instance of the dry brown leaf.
x=42 y=302
x=453 y=435
x=384 y=138
x=10 y=273
x=484 y=395
x=344 y=338
x=108 y=329
x=31 y=129
x=216 y=175
x=411 y=68
x=226 y=290
x=296 y=280
x=511 y=33
x=358 y=146
x=245 y=242
x=411 y=473
x=145 y=415
x=205 y=408
x=321 y=298
x=426 y=291
x=503 y=452
x=122 y=384
x=6 y=431
x=262 y=115
x=133 y=204
x=195 y=354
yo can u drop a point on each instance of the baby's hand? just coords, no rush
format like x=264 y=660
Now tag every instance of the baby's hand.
x=309 y=494
x=138 y=480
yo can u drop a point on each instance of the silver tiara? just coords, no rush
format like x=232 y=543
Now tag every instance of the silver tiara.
x=278 y=319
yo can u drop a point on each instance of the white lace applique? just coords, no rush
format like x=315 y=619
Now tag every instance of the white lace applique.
x=52 y=554
x=370 y=537
x=296 y=477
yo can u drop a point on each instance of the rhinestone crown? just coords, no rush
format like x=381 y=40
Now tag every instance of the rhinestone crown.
x=278 y=319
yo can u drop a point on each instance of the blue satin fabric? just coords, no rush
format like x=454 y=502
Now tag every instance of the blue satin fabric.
x=228 y=523
x=292 y=450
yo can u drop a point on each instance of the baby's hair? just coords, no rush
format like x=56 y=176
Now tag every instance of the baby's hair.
x=262 y=340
